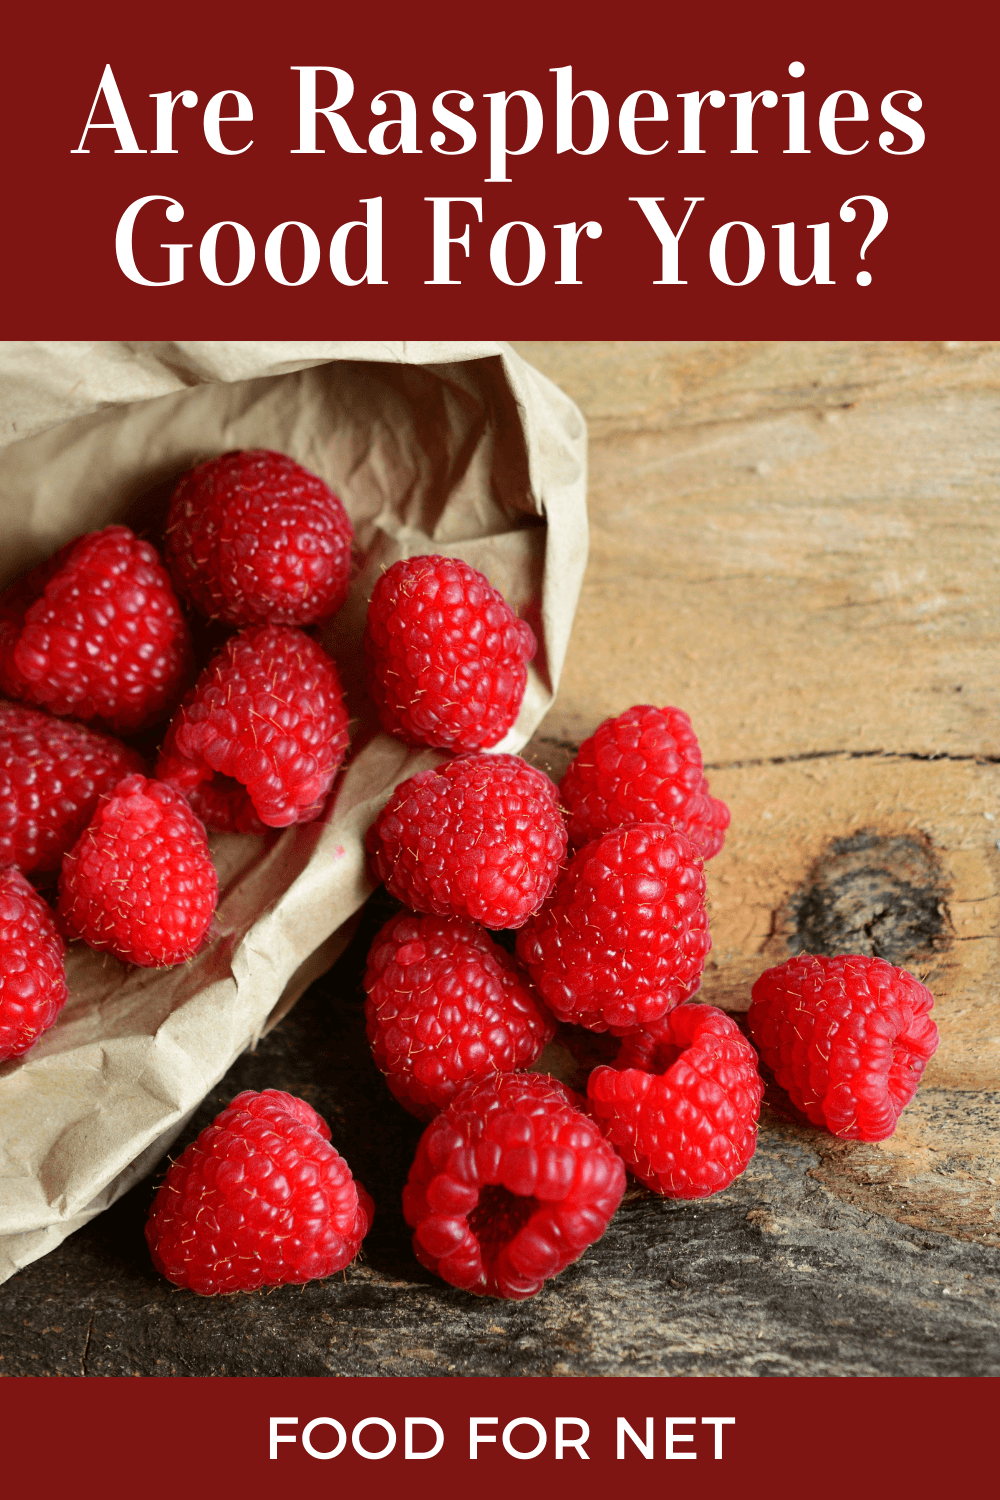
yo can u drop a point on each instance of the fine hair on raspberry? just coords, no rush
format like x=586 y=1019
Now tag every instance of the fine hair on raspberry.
x=32 y=972
x=624 y=936
x=682 y=1102
x=258 y=741
x=510 y=1185
x=139 y=882
x=261 y=1198
x=848 y=1039
x=446 y=657
x=479 y=837
x=446 y=1006
x=644 y=766
x=96 y=632
x=253 y=538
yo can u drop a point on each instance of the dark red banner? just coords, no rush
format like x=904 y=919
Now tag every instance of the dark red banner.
x=645 y=171
x=709 y=1439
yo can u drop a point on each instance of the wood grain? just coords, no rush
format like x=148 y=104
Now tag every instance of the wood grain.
x=799 y=544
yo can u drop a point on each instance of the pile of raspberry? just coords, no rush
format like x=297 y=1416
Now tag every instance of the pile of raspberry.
x=98 y=662
x=523 y=908
x=601 y=884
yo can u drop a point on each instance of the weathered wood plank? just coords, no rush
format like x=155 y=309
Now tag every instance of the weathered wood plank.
x=798 y=543
x=779 y=1275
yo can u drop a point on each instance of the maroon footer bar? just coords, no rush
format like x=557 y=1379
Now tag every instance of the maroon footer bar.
x=697 y=1437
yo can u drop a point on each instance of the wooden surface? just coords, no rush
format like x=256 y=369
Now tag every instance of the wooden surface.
x=799 y=545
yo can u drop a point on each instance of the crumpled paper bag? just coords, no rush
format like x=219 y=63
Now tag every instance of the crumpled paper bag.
x=458 y=448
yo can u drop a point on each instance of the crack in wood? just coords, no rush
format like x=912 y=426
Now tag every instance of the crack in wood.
x=86 y=1347
x=782 y=760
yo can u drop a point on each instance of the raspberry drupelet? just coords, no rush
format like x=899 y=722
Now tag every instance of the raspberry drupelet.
x=479 y=837
x=446 y=656
x=96 y=632
x=624 y=936
x=446 y=1006
x=32 y=972
x=261 y=736
x=139 y=882
x=253 y=538
x=682 y=1102
x=510 y=1185
x=642 y=767
x=51 y=774
x=847 y=1038
x=261 y=1198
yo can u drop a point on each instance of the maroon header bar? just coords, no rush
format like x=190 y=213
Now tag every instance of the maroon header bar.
x=698 y=172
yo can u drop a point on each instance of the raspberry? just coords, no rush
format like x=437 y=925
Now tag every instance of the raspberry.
x=32 y=973
x=259 y=1199
x=643 y=767
x=97 y=632
x=259 y=739
x=445 y=654
x=139 y=881
x=624 y=936
x=252 y=538
x=479 y=837
x=682 y=1102
x=510 y=1185
x=847 y=1038
x=446 y=1006
x=15 y=601
x=51 y=775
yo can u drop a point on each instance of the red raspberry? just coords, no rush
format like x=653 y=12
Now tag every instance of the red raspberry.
x=847 y=1038
x=510 y=1185
x=259 y=739
x=139 y=881
x=259 y=1199
x=32 y=973
x=624 y=936
x=445 y=654
x=479 y=837
x=643 y=767
x=51 y=775
x=446 y=1006
x=15 y=601
x=97 y=632
x=252 y=538
x=681 y=1104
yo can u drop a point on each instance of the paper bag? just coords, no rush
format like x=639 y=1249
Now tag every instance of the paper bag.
x=451 y=448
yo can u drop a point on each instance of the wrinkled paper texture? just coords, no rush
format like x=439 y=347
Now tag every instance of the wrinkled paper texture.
x=433 y=447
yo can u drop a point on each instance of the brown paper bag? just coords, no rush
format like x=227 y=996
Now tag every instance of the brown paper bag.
x=454 y=448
